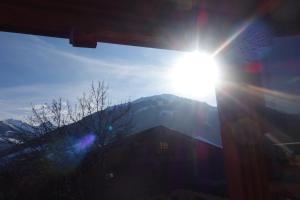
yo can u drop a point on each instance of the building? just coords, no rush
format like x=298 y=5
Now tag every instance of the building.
x=158 y=161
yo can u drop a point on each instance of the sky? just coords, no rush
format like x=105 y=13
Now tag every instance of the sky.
x=35 y=70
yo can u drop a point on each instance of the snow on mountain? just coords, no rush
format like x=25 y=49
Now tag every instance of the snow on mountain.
x=14 y=132
x=193 y=118
x=158 y=98
x=19 y=125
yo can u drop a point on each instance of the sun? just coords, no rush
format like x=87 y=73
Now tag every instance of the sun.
x=194 y=75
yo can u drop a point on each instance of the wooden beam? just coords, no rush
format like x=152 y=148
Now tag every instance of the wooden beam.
x=160 y=24
x=242 y=135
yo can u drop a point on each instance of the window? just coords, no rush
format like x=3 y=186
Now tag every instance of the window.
x=164 y=146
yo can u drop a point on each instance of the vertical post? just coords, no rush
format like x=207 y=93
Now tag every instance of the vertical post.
x=242 y=134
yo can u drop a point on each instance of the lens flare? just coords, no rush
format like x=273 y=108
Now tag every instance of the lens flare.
x=85 y=142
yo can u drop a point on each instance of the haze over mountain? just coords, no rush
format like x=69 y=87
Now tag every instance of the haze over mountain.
x=190 y=117
x=194 y=118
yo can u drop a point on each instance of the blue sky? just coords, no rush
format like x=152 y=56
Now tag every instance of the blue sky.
x=37 y=69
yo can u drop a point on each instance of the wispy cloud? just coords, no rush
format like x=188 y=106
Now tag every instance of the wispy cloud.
x=114 y=66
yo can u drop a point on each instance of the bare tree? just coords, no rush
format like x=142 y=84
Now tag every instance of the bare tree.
x=49 y=117
x=45 y=118
x=94 y=113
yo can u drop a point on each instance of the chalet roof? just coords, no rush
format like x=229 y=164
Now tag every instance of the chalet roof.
x=165 y=132
x=169 y=24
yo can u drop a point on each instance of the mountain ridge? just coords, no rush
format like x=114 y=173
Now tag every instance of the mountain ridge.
x=191 y=117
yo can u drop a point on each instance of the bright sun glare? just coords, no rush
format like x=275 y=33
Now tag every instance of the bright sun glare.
x=195 y=75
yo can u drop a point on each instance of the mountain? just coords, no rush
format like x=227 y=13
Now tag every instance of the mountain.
x=14 y=132
x=193 y=118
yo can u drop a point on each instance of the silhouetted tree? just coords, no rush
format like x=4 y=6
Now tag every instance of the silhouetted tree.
x=47 y=117
x=94 y=113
